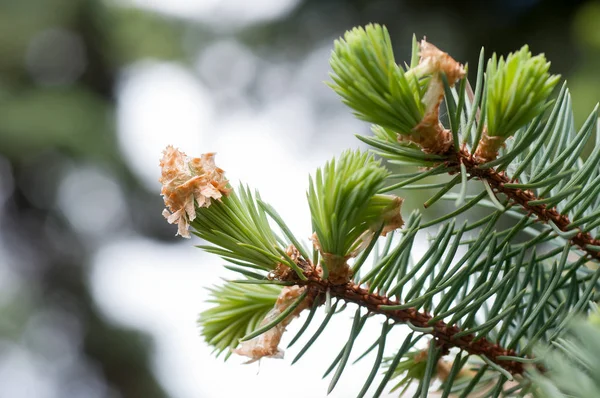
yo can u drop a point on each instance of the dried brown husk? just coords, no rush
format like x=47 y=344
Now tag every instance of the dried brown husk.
x=187 y=183
x=267 y=344
x=430 y=134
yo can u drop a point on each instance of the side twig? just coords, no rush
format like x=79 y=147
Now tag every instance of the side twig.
x=523 y=197
x=442 y=332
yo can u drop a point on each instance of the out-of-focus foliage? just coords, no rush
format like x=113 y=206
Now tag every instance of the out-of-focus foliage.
x=59 y=61
x=584 y=81
x=58 y=68
x=572 y=363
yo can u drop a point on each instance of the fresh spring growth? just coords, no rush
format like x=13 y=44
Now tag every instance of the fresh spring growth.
x=198 y=196
x=517 y=92
x=238 y=228
x=238 y=309
x=366 y=76
x=187 y=183
x=242 y=308
x=347 y=212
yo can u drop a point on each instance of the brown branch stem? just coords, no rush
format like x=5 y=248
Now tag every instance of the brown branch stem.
x=443 y=333
x=497 y=181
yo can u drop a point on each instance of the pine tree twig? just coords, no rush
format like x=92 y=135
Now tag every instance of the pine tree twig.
x=442 y=332
x=523 y=197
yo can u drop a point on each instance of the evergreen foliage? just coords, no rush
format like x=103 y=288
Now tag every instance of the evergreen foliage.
x=343 y=203
x=517 y=90
x=240 y=232
x=241 y=307
x=367 y=77
x=573 y=363
x=483 y=297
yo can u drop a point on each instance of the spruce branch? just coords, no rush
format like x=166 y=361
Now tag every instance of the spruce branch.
x=514 y=96
x=516 y=93
x=527 y=200
x=444 y=334
x=509 y=290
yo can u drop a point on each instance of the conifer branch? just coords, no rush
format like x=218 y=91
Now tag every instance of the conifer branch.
x=545 y=214
x=525 y=294
x=443 y=333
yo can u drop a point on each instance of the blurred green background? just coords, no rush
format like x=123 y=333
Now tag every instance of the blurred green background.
x=91 y=90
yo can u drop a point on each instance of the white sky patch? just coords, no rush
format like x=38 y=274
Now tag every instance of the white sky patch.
x=221 y=13
x=264 y=151
x=88 y=190
x=22 y=376
x=227 y=65
x=160 y=104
